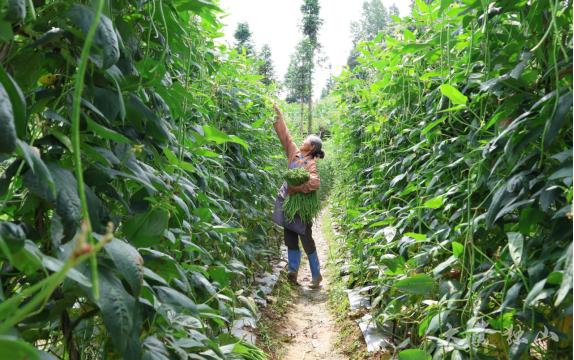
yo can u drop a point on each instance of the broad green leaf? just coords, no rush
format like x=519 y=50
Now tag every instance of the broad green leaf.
x=563 y=172
x=105 y=38
x=559 y=119
x=28 y=259
x=175 y=299
x=536 y=293
x=554 y=278
x=416 y=236
x=444 y=265
x=220 y=274
x=258 y=123
x=12 y=236
x=455 y=96
x=15 y=349
x=219 y=137
x=515 y=246
x=419 y=284
x=17 y=100
x=227 y=229
x=457 y=249
x=146 y=229
x=154 y=349
x=56 y=265
x=511 y=295
x=128 y=263
x=433 y=124
x=68 y=204
x=434 y=203
x=409 y=36
x=8 y=137
x=39 y=168
x=205 y=152
x=566 y=285
x=118 y=309
x=106 y=133
x=414 y=354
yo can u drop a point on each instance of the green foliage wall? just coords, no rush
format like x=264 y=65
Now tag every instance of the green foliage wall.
x=455 y=180
x=175 y=145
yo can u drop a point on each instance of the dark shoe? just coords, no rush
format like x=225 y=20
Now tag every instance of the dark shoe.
x=292 y=278
x=316 y=283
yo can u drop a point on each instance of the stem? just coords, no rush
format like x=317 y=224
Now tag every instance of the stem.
x=78 y=89
x=51 y=282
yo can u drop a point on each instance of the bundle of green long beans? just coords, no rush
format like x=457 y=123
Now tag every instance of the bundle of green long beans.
x=306 y=205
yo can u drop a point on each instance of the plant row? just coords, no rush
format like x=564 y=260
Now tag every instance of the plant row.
x=136 y=181
x=454 y=179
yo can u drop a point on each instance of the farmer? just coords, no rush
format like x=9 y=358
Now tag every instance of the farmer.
x=301 y=157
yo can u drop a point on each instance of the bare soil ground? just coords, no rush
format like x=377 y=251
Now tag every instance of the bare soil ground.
x=309 y=327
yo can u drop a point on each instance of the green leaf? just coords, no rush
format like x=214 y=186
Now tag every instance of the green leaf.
x=220 y=274
x=455 y=96
x=511 y=295
x=39 y=169
x=17 y=100
x=56 y=265
x=12 y=235
x=559 y=119
x=68 y=204
x=444 y=265
x=154 y=349
x=28 y=259
x=409 y=36
x=205 y=152
x=147 y=228
x=227 y=229
x=105 y=38
x=106 y=133
x=175 y=299
x=515 y=246
x=563 y=172
x=219 y=137
x=8 y=137
x=457 y=249
x=147 y=120
x=434 y=203
x=536 y=293
x=16 y=349
x=416 y=236
x=566 y=285
x=414 y=354
x=419 y=284
x=433 y=124
x=118 y=309
x=554 y=278
x=128 y=262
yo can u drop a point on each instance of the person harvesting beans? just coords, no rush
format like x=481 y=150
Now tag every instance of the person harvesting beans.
x=303 y=157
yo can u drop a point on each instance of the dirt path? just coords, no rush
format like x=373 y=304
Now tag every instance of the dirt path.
x=309 y=324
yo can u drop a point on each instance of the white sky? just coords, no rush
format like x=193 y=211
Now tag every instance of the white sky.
x=276 y=23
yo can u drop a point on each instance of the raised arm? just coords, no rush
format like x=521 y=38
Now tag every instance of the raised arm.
x=283 y=134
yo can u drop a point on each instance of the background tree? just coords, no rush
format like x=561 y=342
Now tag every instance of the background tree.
x=311 y=23
x=329 y=85
x=266 y=65
x=394 y=10
x=243 y=38
x=297 y=78
x=375 y=18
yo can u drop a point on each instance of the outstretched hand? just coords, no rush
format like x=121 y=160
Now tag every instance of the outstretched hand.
x=277 y=110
